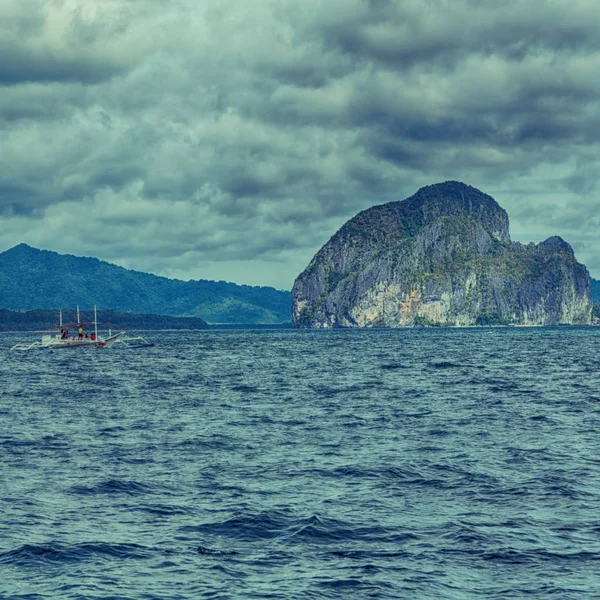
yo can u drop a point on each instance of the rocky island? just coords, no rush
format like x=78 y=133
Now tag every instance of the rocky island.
x=441 y=257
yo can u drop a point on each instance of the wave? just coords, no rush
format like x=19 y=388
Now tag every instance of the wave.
x=392 y=464
x=65 y=553
x=116 y=486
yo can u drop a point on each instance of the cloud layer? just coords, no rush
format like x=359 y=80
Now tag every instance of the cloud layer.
x=229 y=139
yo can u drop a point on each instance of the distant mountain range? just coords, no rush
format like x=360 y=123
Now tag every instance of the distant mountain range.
x=41 y=279
x=40 y=320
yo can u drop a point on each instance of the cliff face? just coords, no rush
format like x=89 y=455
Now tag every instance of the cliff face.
x=444 y=257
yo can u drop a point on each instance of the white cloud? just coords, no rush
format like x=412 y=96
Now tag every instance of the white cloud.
x=233 y=138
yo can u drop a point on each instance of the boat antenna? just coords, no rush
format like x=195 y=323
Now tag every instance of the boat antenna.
x=95 y=323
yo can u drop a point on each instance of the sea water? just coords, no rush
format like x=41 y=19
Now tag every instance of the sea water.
x=413 y=463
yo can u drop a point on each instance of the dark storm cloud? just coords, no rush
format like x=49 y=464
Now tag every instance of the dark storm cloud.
x=18 y=66
x=65 y=41
x=38 y=102
x=177 y=136
x=409 y=34
x=585 y=177
x=17 y=199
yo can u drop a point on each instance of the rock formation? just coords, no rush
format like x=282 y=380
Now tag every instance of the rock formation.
x=441 y=257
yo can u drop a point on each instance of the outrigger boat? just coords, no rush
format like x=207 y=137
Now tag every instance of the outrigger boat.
x=133 y=343
x=61 y=339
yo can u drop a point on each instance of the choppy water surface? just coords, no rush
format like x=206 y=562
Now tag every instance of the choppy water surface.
x=284 y=464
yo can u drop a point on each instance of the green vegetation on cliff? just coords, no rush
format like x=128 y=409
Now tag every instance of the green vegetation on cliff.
x=440 y=257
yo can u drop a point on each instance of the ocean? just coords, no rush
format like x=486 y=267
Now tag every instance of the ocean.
x=414 y=463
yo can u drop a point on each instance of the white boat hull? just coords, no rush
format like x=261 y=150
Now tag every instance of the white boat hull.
x=55 y=342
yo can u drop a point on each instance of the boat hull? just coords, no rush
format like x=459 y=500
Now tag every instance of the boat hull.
x=55 y=343
x=84 y=343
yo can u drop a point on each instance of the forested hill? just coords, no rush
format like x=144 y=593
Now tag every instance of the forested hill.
x=41 y=320
x=38 y=279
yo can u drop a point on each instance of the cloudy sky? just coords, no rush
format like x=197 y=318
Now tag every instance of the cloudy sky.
x=229 y=139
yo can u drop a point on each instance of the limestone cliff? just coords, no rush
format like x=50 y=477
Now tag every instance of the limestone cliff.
x=441 y=257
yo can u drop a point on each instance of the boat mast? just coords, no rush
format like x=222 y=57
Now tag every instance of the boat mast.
x=78 y=321
x=60 y=317
x=95 y=323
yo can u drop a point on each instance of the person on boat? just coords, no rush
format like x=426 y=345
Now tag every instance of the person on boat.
x=64 y=334
x=93 y=337
x=80 y=332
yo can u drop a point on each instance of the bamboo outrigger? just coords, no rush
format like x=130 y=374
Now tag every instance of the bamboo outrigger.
x=61 y=338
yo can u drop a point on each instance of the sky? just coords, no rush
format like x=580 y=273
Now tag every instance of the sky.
x=230 y=139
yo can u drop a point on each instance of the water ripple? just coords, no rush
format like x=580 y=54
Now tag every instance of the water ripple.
x=426 y=463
